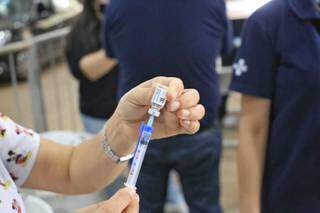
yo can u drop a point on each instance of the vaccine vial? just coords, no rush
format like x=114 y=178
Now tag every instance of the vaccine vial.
x=158 y=100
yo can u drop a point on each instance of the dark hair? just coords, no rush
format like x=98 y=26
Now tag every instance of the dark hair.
x=86 y=29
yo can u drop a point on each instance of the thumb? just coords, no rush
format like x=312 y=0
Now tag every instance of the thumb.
x=120 y=201
x=140 y=96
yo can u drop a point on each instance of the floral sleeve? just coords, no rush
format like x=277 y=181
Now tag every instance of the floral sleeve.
x=18 y=149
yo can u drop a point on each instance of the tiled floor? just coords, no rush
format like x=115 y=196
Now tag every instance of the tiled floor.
x=60 y=92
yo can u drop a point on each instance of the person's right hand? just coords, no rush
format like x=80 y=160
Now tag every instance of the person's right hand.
x=181 y=115
x=124 y=201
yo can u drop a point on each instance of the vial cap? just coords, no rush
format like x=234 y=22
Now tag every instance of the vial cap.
x=154 y=112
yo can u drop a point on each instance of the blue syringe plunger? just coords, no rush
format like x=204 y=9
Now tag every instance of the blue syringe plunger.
x=143 y=141
x=157 y=103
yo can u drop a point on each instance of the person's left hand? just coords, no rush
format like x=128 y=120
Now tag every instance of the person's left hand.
x=181 y=115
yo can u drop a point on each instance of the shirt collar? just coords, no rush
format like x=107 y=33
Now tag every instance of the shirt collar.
x=305 y=9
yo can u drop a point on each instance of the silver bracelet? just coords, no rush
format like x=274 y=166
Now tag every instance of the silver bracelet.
x=110 y=153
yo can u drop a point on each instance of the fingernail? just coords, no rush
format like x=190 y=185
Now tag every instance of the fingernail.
x=175 y=106
x=185 y=113
x=186 y=122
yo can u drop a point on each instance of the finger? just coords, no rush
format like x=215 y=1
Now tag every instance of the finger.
x=120 y=201
x=192 y=114
x=174 y=88
x=189 y=98
x=173 y=106
x=190 y=127
x=134 y=205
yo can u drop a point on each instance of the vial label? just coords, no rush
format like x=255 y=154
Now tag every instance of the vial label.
x=159 y=96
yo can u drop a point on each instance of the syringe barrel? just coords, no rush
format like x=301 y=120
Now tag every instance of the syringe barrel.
x=141 y=149
x=158 y=101
x=136 y=165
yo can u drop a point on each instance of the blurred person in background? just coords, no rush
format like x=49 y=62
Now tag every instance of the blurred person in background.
x=27 y=160
x=278 y=74
x=181 y=39
x=97 y=74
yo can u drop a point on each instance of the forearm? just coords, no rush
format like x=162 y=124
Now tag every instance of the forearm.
x=251 y=154
x=97 y=64
x=81 y=169
x=253 y=134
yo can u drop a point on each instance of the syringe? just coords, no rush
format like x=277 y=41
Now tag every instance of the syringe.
x=157 y=103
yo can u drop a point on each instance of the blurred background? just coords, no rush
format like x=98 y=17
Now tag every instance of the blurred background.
x=38 y=91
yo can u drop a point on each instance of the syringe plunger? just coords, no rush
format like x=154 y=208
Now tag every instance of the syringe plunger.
x=157 y=103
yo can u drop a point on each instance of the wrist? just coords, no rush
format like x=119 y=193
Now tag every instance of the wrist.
x=115 y=134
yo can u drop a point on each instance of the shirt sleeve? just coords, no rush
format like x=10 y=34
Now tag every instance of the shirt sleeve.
x=73 y=63
x=254 y=68
x=18 y=149
x=74 y=52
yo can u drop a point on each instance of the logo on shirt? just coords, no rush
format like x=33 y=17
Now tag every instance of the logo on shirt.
x=240 y=67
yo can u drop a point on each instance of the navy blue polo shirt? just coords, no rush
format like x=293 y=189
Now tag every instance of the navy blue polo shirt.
x=170 y=38
x=280 y=60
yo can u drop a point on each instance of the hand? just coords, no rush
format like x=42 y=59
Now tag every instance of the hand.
x=181 y=115
x=124 y=201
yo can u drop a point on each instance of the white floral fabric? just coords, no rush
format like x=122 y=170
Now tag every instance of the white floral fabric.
x=18 y=150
